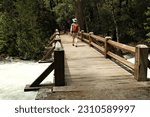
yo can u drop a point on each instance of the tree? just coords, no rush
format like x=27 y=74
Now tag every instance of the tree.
x=147 y=24
x=64 y=12
x=26 y=26
x=8 y=27
x=78 y=6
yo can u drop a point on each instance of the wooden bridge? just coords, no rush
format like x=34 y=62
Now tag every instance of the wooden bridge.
x=92 y=70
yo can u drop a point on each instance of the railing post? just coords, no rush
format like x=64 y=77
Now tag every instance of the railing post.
x=59 y=65
x=106 y=46
x=57 y=32
x=82 y=31
x=90 y=39
x=141 y=62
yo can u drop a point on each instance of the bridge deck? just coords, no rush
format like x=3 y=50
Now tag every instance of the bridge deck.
x=90 y=76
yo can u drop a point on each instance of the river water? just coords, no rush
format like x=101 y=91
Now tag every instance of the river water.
x=14 y=76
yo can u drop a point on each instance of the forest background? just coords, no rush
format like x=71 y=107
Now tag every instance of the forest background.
x=26 y=25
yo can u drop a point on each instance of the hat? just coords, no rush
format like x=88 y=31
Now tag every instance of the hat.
x=74 y=19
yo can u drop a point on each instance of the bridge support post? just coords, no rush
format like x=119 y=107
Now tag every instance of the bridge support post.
x=59 y=67
x=106 y=46
x=141 y=62
x=90 y=39
x=82 y=31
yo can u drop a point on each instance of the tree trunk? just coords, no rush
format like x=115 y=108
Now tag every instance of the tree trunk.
x=79 y=13
x=115 y=22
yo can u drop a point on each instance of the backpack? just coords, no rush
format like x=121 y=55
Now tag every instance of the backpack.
x=75 y=28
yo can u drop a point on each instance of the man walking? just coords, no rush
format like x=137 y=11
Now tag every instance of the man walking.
x=74 y=31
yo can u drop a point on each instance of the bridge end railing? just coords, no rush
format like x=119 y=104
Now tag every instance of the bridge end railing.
x=57 y=65
x=108 y=48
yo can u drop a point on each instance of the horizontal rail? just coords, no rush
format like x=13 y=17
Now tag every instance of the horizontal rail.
x=86 y=34
x=97 y=38
x=48 y=53
x=98 y=47
x=122 y=60
x=122 y=46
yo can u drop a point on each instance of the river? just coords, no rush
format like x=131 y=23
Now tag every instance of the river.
x=14 y=76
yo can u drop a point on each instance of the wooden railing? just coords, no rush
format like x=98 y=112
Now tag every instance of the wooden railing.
x=109 y=48
x=54 y=46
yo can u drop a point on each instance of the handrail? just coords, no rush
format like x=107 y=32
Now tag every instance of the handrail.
x=50 y=47
x=122 y=60
x=140 y=52
x=98 y=38
x=122 y=46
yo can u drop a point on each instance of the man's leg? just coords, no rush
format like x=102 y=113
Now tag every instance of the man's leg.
x=73 y=41
x=76 y=39
x=73 y=36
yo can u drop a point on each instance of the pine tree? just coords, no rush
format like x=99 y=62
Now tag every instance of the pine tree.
x=147 y=24
x=8 y=27
x=64 y=12
x=26 y=25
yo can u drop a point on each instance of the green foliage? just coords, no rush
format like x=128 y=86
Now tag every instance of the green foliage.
x=8 y=27
x=25 y=27
x=147 y=24
x=64 y=11
x=119 y=18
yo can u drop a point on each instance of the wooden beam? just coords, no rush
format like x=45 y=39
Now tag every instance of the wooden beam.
x=122 y=46
x=122 y=60
x=48 y=53
x=59 y=72
x=29 y=88
x=43 y=76
x=98 y=47
x=85 y=40
x=86 y=35
x=141 y=62
x=148 y=63
x=98 y=38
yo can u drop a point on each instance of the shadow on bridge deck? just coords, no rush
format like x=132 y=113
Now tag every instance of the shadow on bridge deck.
x=90 y=76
